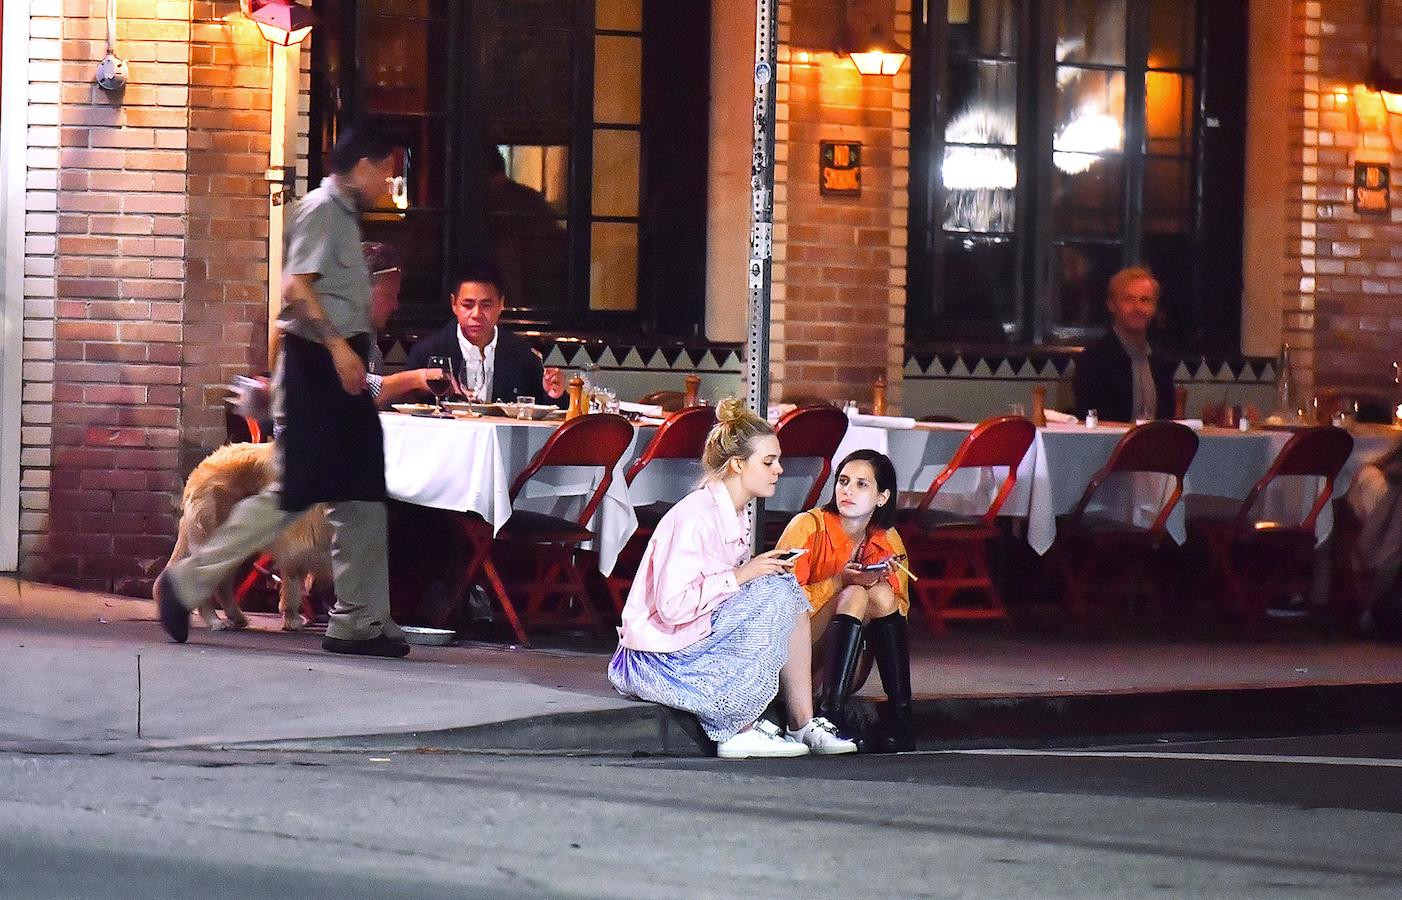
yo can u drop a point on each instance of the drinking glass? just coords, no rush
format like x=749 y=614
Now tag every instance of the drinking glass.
x=524 y=406
x=440 y=381
x=470 y=380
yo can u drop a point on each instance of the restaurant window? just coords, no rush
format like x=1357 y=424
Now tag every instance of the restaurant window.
x=525 y=129
x=1056 y=141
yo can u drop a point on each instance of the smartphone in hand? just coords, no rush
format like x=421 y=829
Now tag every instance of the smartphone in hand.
x=791 y=554
x=878 y=566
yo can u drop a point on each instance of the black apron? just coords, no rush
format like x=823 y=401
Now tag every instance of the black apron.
x=331 y=444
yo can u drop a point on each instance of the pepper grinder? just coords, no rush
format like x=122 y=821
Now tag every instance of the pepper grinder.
x=1039 y=405
x=878 y=396
x=693 y=390
x=1180 y=402
x=576 y=392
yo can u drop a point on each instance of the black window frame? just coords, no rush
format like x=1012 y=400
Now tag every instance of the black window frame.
x=1209 y=316
x=671 y=235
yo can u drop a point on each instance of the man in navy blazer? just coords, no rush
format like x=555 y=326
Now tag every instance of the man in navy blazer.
x=502 y=365
x=1120 y=375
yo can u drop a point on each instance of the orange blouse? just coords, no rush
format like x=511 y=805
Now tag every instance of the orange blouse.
x=829 y=551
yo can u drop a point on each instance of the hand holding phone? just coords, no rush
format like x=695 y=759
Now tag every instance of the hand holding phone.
x=772 y=562
x=878 y=566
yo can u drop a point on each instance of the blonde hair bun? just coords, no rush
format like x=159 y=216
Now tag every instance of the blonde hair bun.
x=731 y=410
x=733 y=436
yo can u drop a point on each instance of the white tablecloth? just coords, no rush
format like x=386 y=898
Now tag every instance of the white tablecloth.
x=468 y=465
x=1062 y=459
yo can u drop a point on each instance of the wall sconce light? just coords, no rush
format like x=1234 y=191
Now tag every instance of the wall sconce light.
x=282 y=22
x=874 y=53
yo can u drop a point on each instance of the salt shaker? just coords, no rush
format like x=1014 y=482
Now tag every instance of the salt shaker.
x=850 y=409
x=1092 y=418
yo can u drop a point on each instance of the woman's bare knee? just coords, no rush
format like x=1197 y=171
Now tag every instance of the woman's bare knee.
x=881 y=601
x=853 y=601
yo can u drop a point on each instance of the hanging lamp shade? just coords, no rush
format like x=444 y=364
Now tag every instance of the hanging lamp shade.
x=282 y=22
x=875 y=53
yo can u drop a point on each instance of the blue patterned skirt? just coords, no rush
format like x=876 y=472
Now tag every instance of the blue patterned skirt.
x=728 y=677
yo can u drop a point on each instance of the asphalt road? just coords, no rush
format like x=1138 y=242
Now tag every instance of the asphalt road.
x=1296 y=817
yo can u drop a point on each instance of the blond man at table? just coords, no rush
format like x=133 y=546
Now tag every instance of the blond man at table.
x=1120 y=375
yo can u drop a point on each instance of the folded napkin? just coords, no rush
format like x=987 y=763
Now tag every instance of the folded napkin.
x=1056 y=417
x=895 y=423
x=642 y=409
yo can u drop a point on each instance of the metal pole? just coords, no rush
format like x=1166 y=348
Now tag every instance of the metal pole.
x=761 y=225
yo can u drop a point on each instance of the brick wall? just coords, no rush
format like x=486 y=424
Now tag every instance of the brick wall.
x=146 y=260
x=1343 y=294
x=225 y=314
x=839 y=262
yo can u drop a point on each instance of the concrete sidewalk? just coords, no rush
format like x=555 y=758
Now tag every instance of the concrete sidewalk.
x=68 y=679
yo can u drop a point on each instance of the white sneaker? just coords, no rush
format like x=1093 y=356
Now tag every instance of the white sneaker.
x=761 y=739
x=823 y=738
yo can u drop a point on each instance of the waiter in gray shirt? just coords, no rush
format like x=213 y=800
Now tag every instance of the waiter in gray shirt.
x=330 y=447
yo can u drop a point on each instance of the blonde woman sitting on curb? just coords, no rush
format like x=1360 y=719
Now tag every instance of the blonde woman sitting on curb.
x=713 y=631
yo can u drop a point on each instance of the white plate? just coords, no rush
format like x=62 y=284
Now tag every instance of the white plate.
x=414 y=409
x=535 y=412
x=430 y=637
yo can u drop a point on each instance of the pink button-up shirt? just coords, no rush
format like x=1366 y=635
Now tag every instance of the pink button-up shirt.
x=687 y=570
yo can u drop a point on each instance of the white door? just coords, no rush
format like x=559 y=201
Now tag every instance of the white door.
x=14 y=56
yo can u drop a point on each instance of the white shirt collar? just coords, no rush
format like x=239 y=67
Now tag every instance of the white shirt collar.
x=483 y=359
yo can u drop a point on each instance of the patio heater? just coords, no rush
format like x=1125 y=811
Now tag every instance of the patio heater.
x=761 y=228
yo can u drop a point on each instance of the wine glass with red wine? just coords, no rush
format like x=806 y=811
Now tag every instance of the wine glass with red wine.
x=440 y=379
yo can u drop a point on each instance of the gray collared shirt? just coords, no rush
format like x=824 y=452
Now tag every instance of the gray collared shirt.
x=323 y=239
x=1146 y=398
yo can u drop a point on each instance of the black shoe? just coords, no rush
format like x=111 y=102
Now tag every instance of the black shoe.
x=174 y=615
x=889 y=640
x=842 y=645
x=375 y=646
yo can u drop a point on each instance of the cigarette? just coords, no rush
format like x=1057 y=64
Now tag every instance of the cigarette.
x=909 y=574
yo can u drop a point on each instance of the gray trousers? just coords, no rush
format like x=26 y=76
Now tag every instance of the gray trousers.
x=359 y=560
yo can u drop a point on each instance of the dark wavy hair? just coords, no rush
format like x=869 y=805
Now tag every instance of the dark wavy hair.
x=883 y=516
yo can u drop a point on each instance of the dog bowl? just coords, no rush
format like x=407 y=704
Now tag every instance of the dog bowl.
x=429 y=637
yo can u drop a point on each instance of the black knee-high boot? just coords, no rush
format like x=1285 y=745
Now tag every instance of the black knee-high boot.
x=842 y=644
x=889 y=640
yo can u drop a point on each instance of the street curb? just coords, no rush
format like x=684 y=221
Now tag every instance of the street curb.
x=1077 y=718
x=643 y=729
x=941 y=723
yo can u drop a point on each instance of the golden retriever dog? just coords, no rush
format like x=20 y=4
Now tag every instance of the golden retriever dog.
x=302 y=552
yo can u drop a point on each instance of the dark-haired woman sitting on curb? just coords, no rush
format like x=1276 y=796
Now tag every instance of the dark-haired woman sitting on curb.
x=854 y=576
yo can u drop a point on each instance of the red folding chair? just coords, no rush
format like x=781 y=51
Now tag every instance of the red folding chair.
x=682 y=436
x=1257 y=560
x=950 y=552
x=545 y=548
x=1090 y=545
x=809 y=432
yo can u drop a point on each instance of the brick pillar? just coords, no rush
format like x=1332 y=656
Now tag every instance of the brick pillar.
x=1343 y=297
x=225 y=314
x=146 y=240
x=839 y=272
x=121 y=208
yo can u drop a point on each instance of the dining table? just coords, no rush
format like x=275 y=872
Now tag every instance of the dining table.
x=468 y=464
x=1063 y=458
